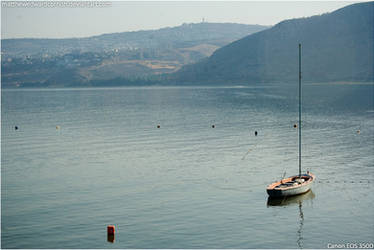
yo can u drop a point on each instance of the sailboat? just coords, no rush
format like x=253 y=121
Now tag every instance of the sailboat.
x=297 y=184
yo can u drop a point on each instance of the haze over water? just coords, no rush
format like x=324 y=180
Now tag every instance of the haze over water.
x=185 y=184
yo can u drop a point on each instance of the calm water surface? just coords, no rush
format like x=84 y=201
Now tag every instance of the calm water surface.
x=185 y=184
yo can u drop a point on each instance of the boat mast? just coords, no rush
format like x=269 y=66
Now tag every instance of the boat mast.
x=299 y=110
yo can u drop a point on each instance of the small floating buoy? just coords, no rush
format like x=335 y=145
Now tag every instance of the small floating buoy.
x=15 y=127
x=295 y=125
x=358 y=131
x=158 y=126
x=57 y=127
x=111 y=229
x=213 y=126
x=255 y=133
x=110 y=233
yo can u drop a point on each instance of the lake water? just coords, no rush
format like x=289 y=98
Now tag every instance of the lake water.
x=185 y=184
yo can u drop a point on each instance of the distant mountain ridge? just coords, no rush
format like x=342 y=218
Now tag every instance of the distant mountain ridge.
x=180 y=36
x=336 y=47
x=112 y=57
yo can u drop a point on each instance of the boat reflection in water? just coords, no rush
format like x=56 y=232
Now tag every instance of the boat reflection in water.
x=110 y=238
x=289 y=200
x=294 y=200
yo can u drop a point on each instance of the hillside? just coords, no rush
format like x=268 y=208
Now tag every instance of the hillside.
x=336 y=47
x=126 y=55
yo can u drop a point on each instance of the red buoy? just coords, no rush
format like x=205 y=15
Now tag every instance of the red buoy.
x=111 y=230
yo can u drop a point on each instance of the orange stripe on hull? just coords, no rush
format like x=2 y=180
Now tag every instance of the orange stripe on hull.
x=308 y=179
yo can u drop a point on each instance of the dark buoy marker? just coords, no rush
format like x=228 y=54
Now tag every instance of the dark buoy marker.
x=15 y=127
x=158 y=126
x=256 y=133
x=110 y=233
x=295 y=125
x=213 y=126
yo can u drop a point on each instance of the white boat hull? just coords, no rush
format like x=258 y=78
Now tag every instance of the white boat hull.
x=277 y=189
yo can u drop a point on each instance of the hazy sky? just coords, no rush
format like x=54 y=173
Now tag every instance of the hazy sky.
x=55 y=21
